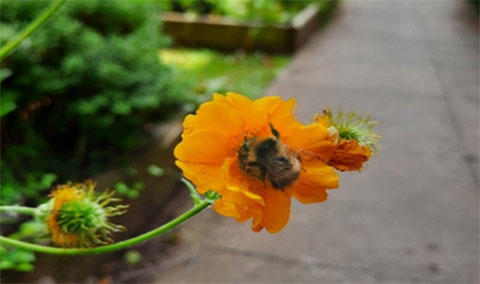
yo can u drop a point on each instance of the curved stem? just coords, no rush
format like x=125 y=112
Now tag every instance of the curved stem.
x=33 y=26
x=116 y=246
x=18 y=209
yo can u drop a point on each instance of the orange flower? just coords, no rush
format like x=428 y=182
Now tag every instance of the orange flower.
x=63 y=194
x=354 y=136
x=349 y=156
x=256 y=155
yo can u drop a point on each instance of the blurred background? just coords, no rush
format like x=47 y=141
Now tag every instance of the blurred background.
x=100 y=92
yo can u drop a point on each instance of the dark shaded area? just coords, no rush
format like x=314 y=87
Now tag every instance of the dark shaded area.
x=81 y=90
x=157 y=204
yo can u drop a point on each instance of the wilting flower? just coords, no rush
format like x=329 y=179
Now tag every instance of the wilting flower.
x=349 y=155
x=356 y=139
x=256 y=155
x=78 y=218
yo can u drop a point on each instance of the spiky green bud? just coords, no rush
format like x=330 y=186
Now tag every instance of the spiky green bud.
x=351 y=126
x=79 y=217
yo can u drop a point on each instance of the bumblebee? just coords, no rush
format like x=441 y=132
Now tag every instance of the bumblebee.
x=268 y=159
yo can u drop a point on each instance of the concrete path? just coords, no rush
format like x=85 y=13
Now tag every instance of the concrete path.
x=413 y=214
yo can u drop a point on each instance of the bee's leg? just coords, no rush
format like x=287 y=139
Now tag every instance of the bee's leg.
x=274 y=131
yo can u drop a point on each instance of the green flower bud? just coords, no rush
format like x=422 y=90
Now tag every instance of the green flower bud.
x=79 y=218
x=351 y=126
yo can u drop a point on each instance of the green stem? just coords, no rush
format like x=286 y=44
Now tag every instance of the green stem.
x=193 y=192
x=18 y=209
x=33 y=26
x=116 y=246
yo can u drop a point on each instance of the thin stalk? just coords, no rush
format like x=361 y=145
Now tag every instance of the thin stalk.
x=18 y=209
x=193 y=192
x=116 y=246
x=33 y=26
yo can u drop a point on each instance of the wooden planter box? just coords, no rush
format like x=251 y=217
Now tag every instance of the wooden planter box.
x=228 y=35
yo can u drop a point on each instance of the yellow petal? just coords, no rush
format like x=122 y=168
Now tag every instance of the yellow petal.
x=254 y=118
x=237 y=205
x=206 y=147
x=313 y=138
x=322 y=120
x=214 y=116
x=238 y=199
x=225 y=208
x=204 y=176
x=280 y=114
x=314 y=179
x=275 y=213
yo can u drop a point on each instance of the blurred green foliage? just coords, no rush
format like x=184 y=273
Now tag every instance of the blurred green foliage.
x=76 y=94
x=133 y=257
x=129 y=191
x=213 y=71
x=155 y=170
x=264 y=11
x=18 y=259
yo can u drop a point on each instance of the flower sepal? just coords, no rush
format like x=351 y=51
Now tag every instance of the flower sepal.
x=212 y=196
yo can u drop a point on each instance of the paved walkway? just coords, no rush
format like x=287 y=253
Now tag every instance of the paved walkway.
x=412 y=215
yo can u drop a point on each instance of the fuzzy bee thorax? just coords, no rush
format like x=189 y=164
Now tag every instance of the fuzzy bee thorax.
x=268 y=159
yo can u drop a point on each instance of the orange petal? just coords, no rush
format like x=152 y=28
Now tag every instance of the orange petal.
x=214 y=116
x=236 y=180
x=313 y=138
x=280 y=114
x=205 y=147
x=275 y=213
x=314 y=179
x=238 y=199
x=204 y=176
x=225 y=208
x=237 y=205
x=254 y=118
x=322 y=119
x=349 y=156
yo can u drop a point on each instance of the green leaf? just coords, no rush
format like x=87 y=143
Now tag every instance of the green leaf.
x=138 y=185
x=121 y=108
x=131 y=171
x=6 y=264
x=48 y=179
x=32 y=229
x=23 y=256
x=7 y=107
x=133 y=257
x=4 y=74
x=155 y=170
x=122 y=187
x=7 y=104
x=25 y=267
x=212 y=195
x=132 y=194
